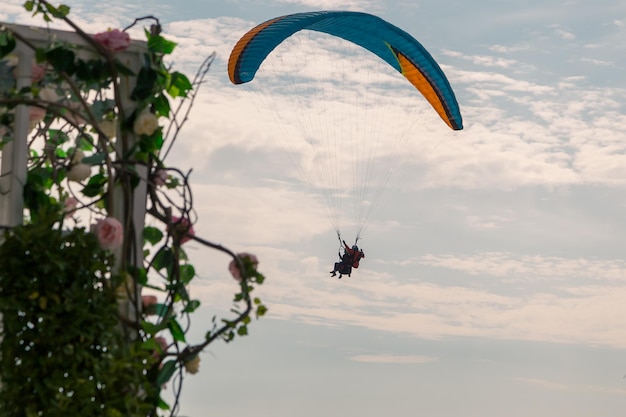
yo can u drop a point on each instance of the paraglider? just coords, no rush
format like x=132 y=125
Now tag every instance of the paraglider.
x=380 y=39
x=350 y=259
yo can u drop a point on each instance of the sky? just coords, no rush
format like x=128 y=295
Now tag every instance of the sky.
x=494 y=276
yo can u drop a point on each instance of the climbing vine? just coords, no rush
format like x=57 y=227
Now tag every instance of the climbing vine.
x=94 y=299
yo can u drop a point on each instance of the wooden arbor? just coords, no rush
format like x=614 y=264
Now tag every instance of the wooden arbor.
x=14 y=155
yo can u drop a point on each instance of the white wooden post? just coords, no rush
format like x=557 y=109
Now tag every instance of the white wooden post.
x=14 y=157
x=15 y=153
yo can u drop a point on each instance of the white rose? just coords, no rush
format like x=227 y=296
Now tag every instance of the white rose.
x=49 y=94
x=145 y=123
x=79 y=172
x=78 y=156
x=193 y=366
x=109 y=128
x=12 y=60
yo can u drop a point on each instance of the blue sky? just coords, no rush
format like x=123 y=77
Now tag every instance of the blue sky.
x=494 y=281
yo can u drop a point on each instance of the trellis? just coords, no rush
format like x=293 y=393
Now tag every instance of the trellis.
x=14 y=155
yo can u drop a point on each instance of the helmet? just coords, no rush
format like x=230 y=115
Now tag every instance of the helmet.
x=355 y=247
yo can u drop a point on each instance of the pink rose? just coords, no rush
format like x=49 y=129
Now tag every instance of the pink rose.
x=245 y=258
x=36 y=115
x=69 y=206
x=109 y=233
x=160 y=177
x=38 y=72
x=162 y=344
x=183 y=227
x=113 y=40
x=148 y=302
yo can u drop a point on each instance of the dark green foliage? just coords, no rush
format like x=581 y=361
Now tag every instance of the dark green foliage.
x=62 y=351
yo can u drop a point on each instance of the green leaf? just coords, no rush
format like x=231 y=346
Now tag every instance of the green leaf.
x=162 y=404
x=153 y=143
x=166 y=372
x=152 y=235
x=161 y=106
x=85 y=143
x=159 y=44
x=261 y=310
x=63 y=11
x=95 y=159
x=191 y=306
x=101 y=108
x=181 y=292
x=179 y=85
x=58 y=12
x=177 y=332
x=7 y=43
x=150 y=345
x=161 y=310
x=164 y=259
x=60 y=153
x=242 y=330
x=150 y=328
x=61 y=59
x=144 y=88
x=139 y=274
x=93 y=71
x=29 y=5
x=58 y=137
x=187 y=272
x=95 y=186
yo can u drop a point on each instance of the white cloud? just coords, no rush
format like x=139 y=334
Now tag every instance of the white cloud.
x=484 y=60
x=589 y=314
x=353 y=5
x=530 y=268
x=598 y=62
x=393 y=359
x=575 y=388
x=507 y=49
x=563 y=34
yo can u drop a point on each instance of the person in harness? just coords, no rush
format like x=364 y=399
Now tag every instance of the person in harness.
x=350 y=259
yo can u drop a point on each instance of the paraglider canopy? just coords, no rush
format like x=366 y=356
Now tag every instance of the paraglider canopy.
x=345 y=90
x=390 y=43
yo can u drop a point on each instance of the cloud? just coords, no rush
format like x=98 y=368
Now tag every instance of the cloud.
x=393 y=359
x=507 y=49
x=353 y=5
x=485 y=60
x=598 y=62
x=518 y=132
x=563 y=34
x=535 y=268
x=577 y=306
x=575 y=388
